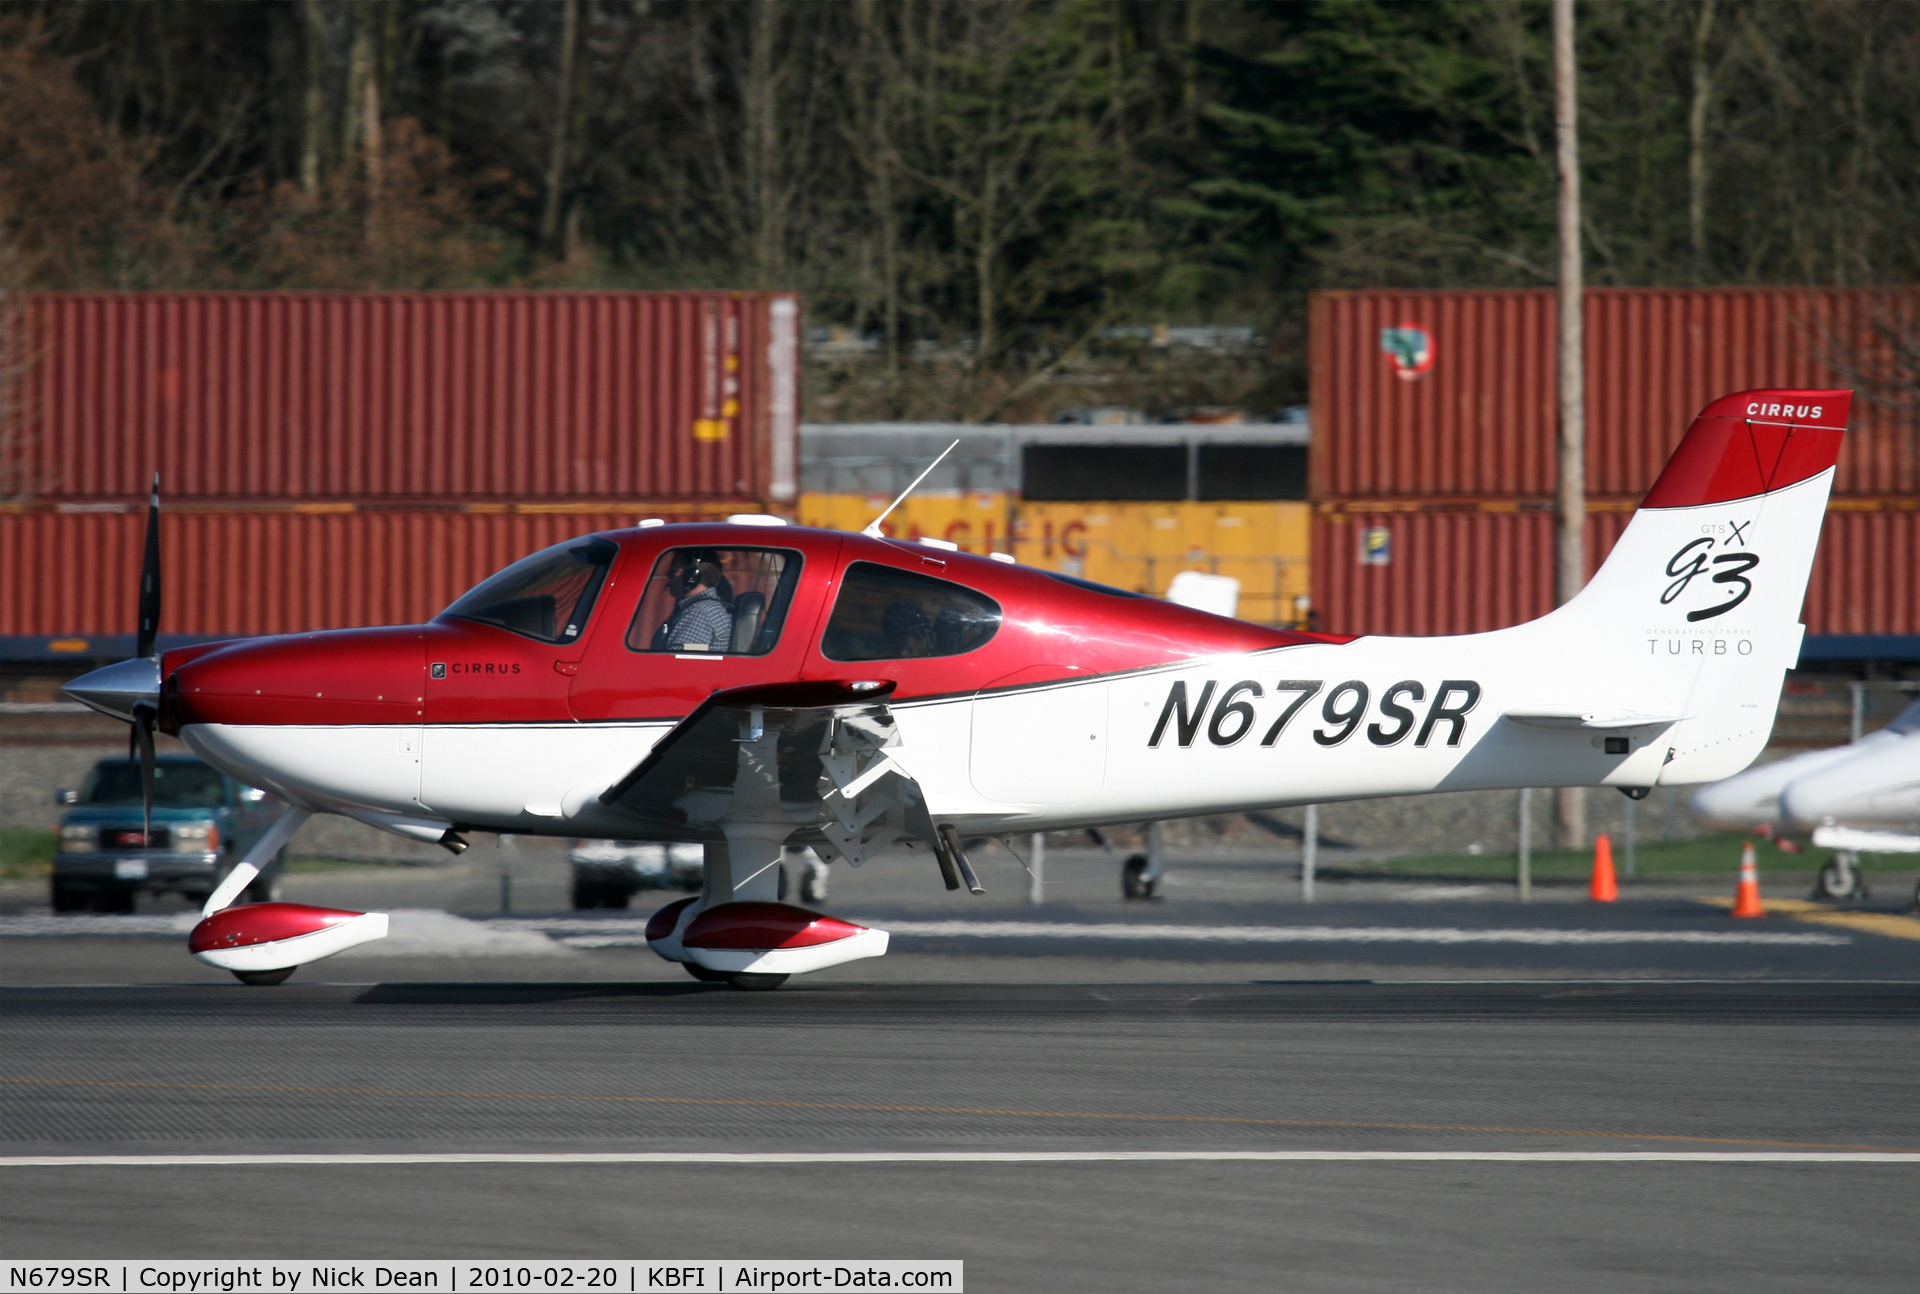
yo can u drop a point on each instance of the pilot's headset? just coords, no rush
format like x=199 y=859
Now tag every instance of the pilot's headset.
x=694 y=574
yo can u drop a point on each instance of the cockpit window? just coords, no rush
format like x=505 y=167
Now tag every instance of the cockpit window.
x=884 y=613
x=547 y=596
x=715 y=601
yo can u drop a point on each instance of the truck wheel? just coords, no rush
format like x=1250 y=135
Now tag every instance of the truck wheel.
x=264 y=889
x=68 y=899
x=615 y=897
x=586 y=894
x=114 y=898
x=263 y=979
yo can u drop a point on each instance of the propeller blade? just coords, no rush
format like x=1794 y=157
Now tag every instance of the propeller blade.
x=149 y=631
x=143 y=719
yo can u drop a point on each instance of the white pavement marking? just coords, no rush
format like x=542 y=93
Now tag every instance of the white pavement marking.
x=421 y=932
x=995 y=1157
x=95 y=927
x=426 y=932
x=1344 y=934
x=411 y=932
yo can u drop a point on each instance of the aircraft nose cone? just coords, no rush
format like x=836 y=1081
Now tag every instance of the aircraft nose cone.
x=118 y=688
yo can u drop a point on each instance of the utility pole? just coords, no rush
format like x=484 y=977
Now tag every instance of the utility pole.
x=1309 y=853
x=1571 y=503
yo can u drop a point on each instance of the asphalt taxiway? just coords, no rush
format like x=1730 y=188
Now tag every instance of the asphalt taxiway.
x=1481 y=1084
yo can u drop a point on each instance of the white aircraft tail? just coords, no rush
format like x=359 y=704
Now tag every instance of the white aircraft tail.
x=1687 y=628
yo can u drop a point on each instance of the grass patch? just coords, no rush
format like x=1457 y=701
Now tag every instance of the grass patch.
x=1703 y=858
x=25 y=854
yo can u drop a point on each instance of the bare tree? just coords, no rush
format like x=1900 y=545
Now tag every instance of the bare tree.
x=313 y=99
x=1702 y=77
x=562 y=122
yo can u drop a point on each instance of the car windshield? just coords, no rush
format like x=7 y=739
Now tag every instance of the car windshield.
x=547 y=596
x=175 y=786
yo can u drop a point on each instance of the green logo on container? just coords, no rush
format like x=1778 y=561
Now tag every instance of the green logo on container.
x=1410 y=347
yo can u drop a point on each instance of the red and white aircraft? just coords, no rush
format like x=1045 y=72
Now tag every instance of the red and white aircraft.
x=755 y=685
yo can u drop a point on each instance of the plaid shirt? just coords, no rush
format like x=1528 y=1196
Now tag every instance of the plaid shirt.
x=700 y=623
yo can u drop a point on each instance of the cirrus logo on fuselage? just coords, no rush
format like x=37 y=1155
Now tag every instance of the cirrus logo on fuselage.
x=1343 y=711
x=1697 y=557
x=442 y=669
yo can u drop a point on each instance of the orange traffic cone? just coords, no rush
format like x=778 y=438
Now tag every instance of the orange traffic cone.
x=1603 y=890
x=1746 y=895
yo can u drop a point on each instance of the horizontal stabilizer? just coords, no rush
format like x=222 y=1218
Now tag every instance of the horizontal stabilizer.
x=1586 y=718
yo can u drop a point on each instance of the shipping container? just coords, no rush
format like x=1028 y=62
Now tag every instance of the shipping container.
x=73 y=577
x=1060 y=462
x=403 y=396
x=1453 y=395
x=1138 y=546
x=1434 y=570
x=1142 y=546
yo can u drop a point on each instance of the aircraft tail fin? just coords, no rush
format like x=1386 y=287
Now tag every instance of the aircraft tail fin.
x=1704 y=588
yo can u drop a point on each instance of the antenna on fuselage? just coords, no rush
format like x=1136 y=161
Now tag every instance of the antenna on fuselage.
x=873 y=527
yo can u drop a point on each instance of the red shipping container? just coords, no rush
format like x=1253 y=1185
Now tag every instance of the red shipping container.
x=76 y=575
x=1459 y=571
x=1453 y=394
x=279 y=396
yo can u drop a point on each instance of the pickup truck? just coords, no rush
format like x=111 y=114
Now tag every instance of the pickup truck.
x=203 y=823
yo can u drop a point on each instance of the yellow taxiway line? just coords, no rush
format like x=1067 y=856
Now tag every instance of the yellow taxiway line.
x=1877 y=923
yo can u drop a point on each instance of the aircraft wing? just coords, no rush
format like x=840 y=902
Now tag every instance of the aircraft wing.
x=809 y=754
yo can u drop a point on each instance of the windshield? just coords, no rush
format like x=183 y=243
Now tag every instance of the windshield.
x=547 y=596
x=175 y=786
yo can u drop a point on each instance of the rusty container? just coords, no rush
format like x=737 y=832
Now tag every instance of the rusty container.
x=1456 y=571
x=72 y=577
x=275 y=398
x=1453 y=395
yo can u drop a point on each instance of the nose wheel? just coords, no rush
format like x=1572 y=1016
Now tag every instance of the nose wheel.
x=1840 y=879
x=745 y=981
x=266 y=978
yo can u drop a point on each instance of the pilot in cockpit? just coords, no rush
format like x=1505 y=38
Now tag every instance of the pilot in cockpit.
x=702 y=618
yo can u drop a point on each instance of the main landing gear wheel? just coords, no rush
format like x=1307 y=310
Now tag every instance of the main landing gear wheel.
x=704 y=975
x=1841 y=879
x=1134 y=882
x=264 y=979
x=753 y=982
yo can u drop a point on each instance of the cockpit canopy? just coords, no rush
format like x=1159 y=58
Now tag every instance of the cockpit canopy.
x=546 y=597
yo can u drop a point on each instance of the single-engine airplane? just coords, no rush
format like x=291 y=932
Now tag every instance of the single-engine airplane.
x=754 y=685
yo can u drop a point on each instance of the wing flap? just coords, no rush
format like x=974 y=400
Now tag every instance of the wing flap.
x=761 y=753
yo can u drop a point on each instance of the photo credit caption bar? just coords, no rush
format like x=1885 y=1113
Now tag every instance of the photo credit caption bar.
x=618 y=1276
